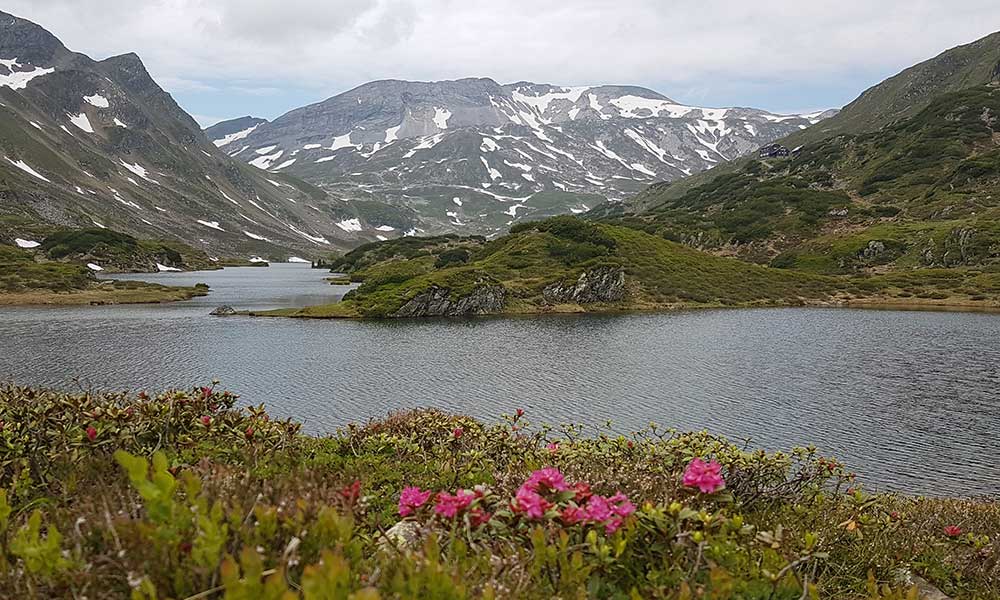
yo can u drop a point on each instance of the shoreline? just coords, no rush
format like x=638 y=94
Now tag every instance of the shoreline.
x=918 y=305
x=105 y=295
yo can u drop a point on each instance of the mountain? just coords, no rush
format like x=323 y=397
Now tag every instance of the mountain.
x=910 y=91
x=87 y=143
x=923 y=191
x=227 y=132
x=894 y=99
x=474 y=156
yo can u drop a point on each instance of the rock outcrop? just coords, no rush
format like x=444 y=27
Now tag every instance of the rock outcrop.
x=438 y=302
x=605 y=284
x=223 y=311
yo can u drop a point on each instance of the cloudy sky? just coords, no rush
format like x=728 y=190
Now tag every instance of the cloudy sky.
x=227 y=58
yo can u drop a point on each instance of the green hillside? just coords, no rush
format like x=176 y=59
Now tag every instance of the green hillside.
x=565 y=264
x=924 y=192
x=28 y=279
x=892 y=100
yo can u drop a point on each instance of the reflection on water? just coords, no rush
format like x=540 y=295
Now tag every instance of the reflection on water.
x=909 y=399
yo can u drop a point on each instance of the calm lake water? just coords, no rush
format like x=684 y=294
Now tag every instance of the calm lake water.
x=911 y=400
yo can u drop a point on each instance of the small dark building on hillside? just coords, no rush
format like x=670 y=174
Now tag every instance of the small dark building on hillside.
x=773 y=151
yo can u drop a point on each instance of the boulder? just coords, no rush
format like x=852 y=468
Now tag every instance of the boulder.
x=604 y=284
x=223 y=311
x=438 y=302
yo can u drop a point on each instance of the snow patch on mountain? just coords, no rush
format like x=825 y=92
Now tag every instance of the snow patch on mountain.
x=97 y=100
x=138 y=170
x=441 y=116
x=17 y=79
x=20 y=164
x=82 y=122
x=211 y=225
x=350 y=225
x=232 y=137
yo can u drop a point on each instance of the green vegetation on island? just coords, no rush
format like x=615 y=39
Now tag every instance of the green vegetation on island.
x=566 y=264
x=183 y=495
x=26 y=280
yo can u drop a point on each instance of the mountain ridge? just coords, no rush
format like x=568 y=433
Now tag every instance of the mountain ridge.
x=474 y=156
x=90 y=143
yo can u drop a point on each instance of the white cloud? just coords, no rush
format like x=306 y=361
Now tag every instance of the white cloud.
x=329 y=46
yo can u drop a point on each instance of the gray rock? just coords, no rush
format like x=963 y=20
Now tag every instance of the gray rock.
x=606 y=284
x=223 y=311
x=403 y=536
x=437 y=302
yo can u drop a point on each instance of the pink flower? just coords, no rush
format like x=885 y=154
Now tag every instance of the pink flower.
x=206 y=420
x=583 y=492
x=953 y=531
x=479 y=517
x=598 y=509
x=449 y=505
x=621 y=505
x=553 y=447
x=206 y=392
x=519 y=412
x=704 y=476
x=411 y=499
x=249 y=433
x=91 y=433
x=571 y=515
x=546 y=479
x=530 y=503
x=457 y=432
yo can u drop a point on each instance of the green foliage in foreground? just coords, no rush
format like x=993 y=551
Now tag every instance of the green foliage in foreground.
x=183 y=495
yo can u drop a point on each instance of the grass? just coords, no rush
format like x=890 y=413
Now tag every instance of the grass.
x=183 y=495
x=659 y=274
x=26 y=281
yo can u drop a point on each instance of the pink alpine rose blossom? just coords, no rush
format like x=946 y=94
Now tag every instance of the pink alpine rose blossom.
x=546 y=479
x=411 y=499
x=449 y=505
x=953 y=531
x=91 y=433
x=530 y=503
x=704 y=475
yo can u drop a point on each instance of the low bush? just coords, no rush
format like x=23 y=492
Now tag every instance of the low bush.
x=183 y=495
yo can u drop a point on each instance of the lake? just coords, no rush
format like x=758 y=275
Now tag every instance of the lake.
x=911 y=400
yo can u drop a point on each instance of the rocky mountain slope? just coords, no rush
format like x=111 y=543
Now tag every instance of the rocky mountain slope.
x=922 y=192
x=87 y=143
x=474 y=156
x=895 y=99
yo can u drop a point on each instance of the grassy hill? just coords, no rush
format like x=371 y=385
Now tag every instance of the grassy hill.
x=923 y=192
x=26 y=279
x=566 y=264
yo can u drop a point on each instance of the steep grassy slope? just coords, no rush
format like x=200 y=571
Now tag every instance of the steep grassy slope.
x=566 y=264
x=923 y=192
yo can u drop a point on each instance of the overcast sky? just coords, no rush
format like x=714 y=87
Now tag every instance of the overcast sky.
x=228 y=58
